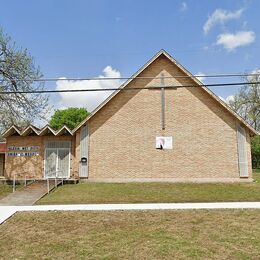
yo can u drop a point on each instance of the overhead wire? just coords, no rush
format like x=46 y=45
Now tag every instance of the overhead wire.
x=129 y=89
x=140 y=77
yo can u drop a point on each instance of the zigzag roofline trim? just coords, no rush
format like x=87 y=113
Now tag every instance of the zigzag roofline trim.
x=39 y=132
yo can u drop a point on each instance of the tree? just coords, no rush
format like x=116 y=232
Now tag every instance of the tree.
x=255 y=143
x=247 y=102
x=17 y=73
x=70 y=117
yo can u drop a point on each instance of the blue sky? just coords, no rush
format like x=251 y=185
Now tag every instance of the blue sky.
x=79 y=38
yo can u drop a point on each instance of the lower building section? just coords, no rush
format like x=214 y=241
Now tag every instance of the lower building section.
x=40 y=157
x=84 y=156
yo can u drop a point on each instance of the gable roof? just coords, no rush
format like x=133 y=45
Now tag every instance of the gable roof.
x=64 y=130
x=185 y=71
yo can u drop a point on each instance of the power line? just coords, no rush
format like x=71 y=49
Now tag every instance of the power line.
x=128 y=78
x=131 y=89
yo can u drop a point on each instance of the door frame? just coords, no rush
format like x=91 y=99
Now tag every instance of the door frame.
x=57 y=160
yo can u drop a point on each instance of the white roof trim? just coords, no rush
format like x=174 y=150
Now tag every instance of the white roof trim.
x=26 y=131
x=12 y=128
x=63 y=129
x=39 y=132
x=46 y=129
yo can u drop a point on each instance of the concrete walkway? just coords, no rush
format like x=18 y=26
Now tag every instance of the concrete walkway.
x=27 y=195
x=8 y=211
x=5 y=213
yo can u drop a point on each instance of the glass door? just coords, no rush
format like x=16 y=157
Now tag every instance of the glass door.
x=63 y=164
x=50 y=162
x=57 y=159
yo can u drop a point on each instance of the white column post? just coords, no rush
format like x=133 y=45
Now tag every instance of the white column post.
x=14 y=183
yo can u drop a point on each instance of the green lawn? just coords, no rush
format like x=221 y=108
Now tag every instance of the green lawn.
x=153 y=192
x=182 y=234
x=5 y=189
x=256 y=174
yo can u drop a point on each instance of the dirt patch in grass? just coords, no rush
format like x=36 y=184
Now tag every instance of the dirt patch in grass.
x=189 y=234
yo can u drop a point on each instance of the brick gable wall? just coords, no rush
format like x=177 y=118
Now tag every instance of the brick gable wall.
x=122 y=134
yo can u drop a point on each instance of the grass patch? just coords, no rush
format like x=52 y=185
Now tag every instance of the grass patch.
x=5 y=190
x=256 y=175
x=153 y=192
x=182 y=234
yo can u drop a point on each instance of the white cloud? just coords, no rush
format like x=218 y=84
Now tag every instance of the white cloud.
x=231 y=41
x=220 y=16
x=183 y=7
x=228 y=98
x=200 y=76
x=92 y=99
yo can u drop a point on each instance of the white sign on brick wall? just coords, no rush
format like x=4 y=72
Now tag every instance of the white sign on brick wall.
x=163 y=142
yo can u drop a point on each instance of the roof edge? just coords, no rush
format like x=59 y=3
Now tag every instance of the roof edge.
x=140 y=70
x=37 y=131
x=184 y=70
x=211 y=93
x=13 y=127
x=27 y=128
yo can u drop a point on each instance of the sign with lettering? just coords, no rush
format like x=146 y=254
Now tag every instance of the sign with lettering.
x=22 y=148
x=23 y=154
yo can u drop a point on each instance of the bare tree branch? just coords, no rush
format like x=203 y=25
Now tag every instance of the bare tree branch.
x=18 y=64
